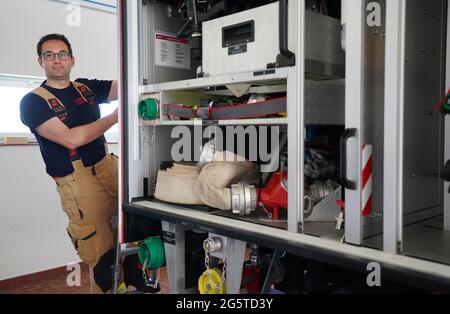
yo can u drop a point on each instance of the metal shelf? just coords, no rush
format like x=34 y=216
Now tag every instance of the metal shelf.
x=246 y=77
x=327 y=250
x=198 y=122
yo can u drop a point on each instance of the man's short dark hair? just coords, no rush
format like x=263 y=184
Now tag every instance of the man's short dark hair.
x=53 y=37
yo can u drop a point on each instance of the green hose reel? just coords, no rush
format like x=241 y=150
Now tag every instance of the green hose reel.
x=151 y=253
x=148 y=109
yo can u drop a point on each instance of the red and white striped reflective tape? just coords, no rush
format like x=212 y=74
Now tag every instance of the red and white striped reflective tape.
x=367 y=180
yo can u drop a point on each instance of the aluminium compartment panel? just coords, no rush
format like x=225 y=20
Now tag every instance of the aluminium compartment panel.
x=324 y=57
x=258 y=45
x=373 y=114
x=162 y=47
x=324 y=103
x=422 y=91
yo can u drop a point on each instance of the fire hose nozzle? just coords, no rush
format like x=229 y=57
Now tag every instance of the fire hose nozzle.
x=212 y=245
x=243 y=199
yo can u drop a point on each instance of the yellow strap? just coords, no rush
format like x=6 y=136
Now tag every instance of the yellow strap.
x=47 y=96
x=44 y=93
x=78 y=86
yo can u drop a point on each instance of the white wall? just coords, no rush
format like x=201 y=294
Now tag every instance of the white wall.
x=33 y=233
x=32 y=224
x=24 y=22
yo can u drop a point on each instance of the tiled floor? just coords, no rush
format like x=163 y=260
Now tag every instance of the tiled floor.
x=54 y=282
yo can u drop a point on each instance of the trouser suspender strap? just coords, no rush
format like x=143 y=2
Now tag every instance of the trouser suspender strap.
x=53 y=102
x=85 y=92
x=60 y=110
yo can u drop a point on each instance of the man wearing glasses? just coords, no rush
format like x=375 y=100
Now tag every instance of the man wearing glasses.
x=65 y=118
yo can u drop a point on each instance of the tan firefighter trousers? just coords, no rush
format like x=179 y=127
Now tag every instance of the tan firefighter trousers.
x=89 y=198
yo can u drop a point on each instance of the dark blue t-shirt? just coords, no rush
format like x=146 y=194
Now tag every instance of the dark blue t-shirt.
x=34 y=111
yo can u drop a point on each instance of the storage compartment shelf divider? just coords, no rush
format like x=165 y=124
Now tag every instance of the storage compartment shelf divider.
x=238 y=78
x=269 y=121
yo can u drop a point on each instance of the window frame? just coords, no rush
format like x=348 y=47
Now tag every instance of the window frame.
x=21 y=81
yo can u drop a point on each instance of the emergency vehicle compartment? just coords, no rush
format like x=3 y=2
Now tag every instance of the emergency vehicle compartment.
x=334 y=126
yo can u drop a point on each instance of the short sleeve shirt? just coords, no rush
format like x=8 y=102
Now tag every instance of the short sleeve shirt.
x=34 y=111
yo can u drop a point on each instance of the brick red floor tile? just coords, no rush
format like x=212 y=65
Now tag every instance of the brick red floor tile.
x=54 y=282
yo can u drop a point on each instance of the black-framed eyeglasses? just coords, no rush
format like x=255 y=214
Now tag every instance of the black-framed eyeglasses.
x=50 y=55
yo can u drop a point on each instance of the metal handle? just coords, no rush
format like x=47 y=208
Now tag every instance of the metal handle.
x=286 y=57
x=446 y=172
x=350 y=185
